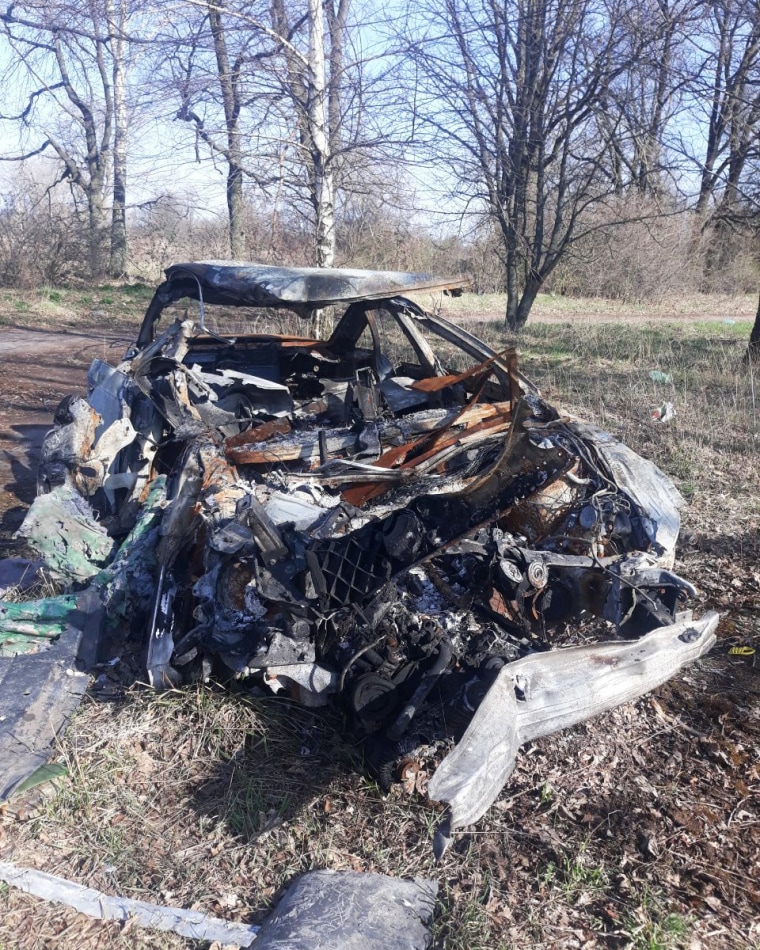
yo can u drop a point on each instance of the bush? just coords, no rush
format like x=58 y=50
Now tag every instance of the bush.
x=42 y=242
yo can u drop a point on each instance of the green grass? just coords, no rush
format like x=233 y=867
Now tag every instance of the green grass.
x=601 y=372
x=74 y=309
x=653 y=927
x=556 y=306
x=576 y=874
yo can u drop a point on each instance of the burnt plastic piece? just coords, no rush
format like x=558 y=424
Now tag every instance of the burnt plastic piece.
x=429 y=679
x=373 y=698
x=325 y=910
x=41 y=691
x=265 y=533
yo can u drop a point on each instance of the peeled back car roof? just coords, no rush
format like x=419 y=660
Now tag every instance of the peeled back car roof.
x=301 y=289
x=259 y=284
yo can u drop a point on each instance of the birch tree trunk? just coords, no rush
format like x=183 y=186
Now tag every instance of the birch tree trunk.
x=324 y=189
x=116 y=16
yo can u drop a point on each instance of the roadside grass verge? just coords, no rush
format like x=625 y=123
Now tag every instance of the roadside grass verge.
x=601 y=372
x=106 y=307
x=557 y=308
x=122 y=306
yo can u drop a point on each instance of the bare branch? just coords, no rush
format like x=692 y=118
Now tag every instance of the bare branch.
x=24 y=115
x=22 y=158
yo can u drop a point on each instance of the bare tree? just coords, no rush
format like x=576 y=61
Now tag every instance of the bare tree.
x=313 y=93
x=116 y=17
x=646 y=101
x=728 y=81
x=323 y=184
x=69 y=61
x=270 y=77
x=276 y=91
x=213 y=56
x=513 y=92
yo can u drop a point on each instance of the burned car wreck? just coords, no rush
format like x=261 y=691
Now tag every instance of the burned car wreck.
x=391 y=519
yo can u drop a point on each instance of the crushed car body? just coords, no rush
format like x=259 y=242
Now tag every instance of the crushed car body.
x=391 y=519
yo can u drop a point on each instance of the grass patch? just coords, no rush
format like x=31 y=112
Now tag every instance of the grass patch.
x=76 y=309
x=652 y=927
x=602 y=372
x=576 y=874
x=691 y=307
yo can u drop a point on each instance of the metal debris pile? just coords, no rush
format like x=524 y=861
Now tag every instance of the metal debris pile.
x=353 y=521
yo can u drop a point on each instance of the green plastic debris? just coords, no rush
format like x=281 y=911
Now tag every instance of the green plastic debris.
x=27 y=625
x=62 y=529
x=45 y=773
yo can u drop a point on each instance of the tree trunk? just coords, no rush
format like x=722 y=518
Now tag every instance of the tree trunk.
x=228 y=83
x=97 y=231
x=528 y=298
x=511 y=314
x=235 y=205
x=753 y=349
x=513 y=293
x=324 y=197
x=116 y=24
x=519 y=306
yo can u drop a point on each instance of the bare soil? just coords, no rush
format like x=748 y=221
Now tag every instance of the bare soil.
x=640 y=829
x=37 y=369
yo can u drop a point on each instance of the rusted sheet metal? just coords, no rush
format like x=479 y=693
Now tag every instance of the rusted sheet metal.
x=347 y=524
x=73 y=438
x=473 y=375
x=337 y=443
x=543 y=512
x=262 y=433
x=471 y=421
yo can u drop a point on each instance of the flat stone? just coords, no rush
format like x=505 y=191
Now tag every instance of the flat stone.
x=345 y=910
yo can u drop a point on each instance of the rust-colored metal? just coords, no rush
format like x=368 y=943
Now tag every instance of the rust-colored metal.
x=232 y=584
x=256 y=339
x=86 y=475
x=538 y=515
x=218 y=474
x=260 y=433
x=471 y=420
x=475 y=374
x=498 y=604
x=292 y=450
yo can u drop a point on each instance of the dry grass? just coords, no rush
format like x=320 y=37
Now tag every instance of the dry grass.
x=109 y=307
x=121 y=307
x=554 y=308
x=637 y=830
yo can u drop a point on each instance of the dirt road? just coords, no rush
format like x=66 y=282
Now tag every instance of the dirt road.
x=37 y=369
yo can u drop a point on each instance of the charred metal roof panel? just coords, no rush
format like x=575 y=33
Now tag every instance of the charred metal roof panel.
x=260 y=284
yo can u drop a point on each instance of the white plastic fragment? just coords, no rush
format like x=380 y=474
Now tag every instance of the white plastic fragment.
x=547 y=692
x=664 y=413
x=87 y=900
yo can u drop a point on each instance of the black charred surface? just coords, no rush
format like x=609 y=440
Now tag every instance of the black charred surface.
x=354 y=525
